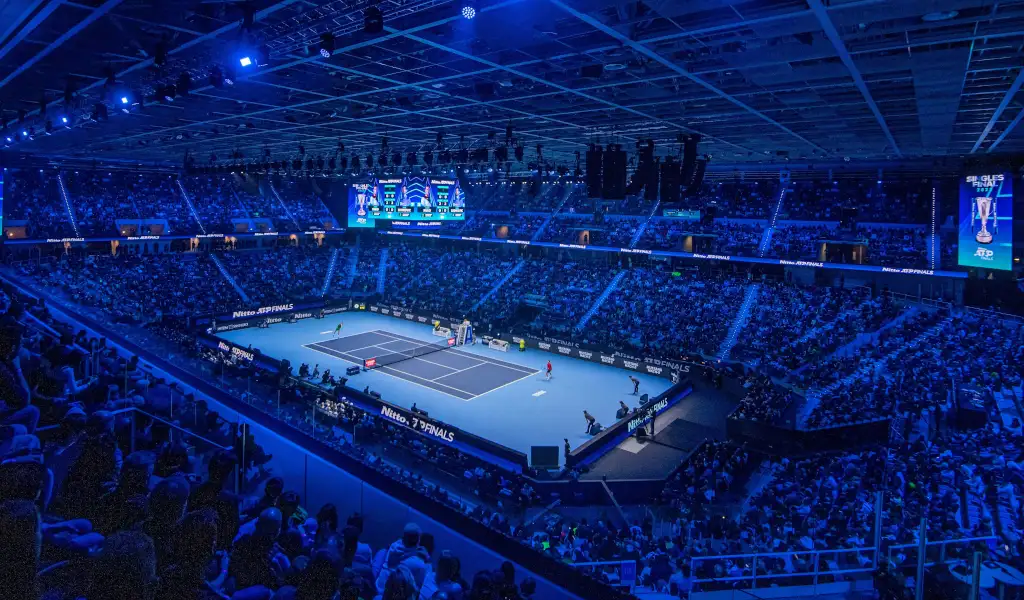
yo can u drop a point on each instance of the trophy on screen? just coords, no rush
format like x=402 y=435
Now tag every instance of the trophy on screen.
x=984 y=208
x=361 y=204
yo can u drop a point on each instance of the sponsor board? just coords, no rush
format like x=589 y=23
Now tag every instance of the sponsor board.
x=263 y=310
x=658 y=367
x=417 y=423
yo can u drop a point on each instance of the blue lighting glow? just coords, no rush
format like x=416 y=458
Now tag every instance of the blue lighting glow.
x=63 y=119
x=245 y=61
x=124 y=99
x=24 y=133
x=468 y=12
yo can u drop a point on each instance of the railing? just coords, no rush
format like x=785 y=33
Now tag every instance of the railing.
x=936 y=552
x=994 y=314
x=929 y=302
x=626 y=573
x=824 y=563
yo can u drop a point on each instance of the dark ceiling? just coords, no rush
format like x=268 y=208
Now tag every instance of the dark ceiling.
x=758 y=79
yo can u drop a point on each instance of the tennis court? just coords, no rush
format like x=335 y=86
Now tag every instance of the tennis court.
x=449 y=371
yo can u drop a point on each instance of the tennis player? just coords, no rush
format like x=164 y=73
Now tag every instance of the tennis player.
x=337 y=330
x=636 y=385
x=547 y=372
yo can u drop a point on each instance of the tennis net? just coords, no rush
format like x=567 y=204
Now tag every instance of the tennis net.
x=396 y=357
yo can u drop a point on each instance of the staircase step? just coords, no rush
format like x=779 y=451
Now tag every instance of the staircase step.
x=227 y=276
x=382 y=270
x=191 y=207
x=67 y=203
x=287 y=212
x=332 y=264
x=497 y=285
x=742 y=316
x=608 y=290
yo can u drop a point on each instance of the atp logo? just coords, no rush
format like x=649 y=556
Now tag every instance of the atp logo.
x=984 y=253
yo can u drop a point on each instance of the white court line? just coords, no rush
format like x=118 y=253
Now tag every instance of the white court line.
x=345 y=351
x=458 y=371
x=509 y=383
x=493 y=361
x=326 y=332
x=340 y=355
x=334 y=353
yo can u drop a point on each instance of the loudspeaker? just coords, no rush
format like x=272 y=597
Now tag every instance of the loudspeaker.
x=698 y=178
x=594 y=167
x=613 y=183
x=670 y=180
x=689 y=158
x=848 y=218
x=653 y=176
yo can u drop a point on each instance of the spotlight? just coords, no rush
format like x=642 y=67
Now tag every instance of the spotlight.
x=468 y=9
x=327 y=45
x=64 y=120
x=124 y=99
x=245 y=61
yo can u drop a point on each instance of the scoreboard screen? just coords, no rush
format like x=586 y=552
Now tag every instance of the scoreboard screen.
x=985 y=236
x=406 y=200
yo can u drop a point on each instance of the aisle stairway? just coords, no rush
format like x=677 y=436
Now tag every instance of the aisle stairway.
x=497 y=285
x=742 y=316
x=850 y=347
x=67 y=203
x=611 y=287
x=639 y=233
x=350 y=266
x=332 y=264
x=288 y=213
x=565 y=198
x=191 y=208
x=767 y=237
x=870 y=368
x=227 y=276
x=382 y=270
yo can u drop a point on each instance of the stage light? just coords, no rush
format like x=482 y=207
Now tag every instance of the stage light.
x=64 y=120
x=468 y=10
x=124 y=99
x=9 y=140
x=245 y=61
x=327 y=45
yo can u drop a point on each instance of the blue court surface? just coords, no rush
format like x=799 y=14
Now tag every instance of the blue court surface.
x=501 y=396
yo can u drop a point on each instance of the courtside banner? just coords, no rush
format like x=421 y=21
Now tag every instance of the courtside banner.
x=399 y=312
x=669 y=369
x=268 y=315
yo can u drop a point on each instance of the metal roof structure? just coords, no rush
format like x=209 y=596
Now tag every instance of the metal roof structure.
x=759 y=80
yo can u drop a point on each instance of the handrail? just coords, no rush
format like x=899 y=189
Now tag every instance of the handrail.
x=135 y=409
x=995 y=314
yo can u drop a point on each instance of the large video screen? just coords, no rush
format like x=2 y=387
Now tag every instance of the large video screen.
x=406 y=200
x=986 y=221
